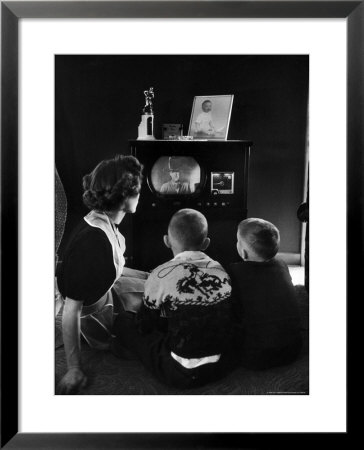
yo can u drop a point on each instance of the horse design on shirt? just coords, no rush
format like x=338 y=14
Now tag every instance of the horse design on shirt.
x=198 y=280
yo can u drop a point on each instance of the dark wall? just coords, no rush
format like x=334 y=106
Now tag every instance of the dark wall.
x=99 y=101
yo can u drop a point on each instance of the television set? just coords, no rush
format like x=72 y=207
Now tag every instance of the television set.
x=209 y=176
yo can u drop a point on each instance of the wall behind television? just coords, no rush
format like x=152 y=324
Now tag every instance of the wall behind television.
x=99 y=101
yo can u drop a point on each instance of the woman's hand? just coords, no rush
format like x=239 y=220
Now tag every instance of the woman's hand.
x=72 y=382
x=74 y=379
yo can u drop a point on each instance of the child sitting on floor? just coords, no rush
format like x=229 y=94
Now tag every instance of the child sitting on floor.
x=268 y=329
x=183 y=328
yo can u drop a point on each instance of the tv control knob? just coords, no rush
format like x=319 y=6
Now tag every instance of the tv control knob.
x=223 y=204
x=207 y=203
x=154 y=205
x=215 y=204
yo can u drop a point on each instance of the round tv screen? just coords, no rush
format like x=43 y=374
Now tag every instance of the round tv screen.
x=176 y=175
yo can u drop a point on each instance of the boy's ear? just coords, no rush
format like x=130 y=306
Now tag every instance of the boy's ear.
x=166 y=241
x=205 y=244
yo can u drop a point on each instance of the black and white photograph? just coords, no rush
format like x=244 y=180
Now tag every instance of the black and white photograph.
x=181 y=220
x=211 y=116
x=181 y=264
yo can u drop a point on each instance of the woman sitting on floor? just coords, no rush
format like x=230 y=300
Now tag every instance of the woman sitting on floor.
x=92 y=279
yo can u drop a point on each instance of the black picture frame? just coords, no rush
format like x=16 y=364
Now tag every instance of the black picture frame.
x=11 y=13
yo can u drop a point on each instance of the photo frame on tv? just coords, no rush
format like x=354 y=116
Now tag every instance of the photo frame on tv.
x=210 y=117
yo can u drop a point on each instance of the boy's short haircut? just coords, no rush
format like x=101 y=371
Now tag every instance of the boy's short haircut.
x=189 y=227
x=262 y=236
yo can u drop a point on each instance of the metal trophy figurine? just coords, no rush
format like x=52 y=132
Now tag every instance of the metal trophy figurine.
x=145 y=129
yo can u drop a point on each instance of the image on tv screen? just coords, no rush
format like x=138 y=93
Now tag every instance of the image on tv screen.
x=222 y=182
x=176 y=175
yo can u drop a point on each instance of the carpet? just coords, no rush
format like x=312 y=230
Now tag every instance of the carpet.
x=108 y=375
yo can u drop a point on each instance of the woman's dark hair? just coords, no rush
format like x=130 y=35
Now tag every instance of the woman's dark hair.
x=111 y=182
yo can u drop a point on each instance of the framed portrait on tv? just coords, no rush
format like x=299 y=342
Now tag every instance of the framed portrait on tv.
x=210 y=117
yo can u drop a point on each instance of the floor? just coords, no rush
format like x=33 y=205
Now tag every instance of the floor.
x=108 y=375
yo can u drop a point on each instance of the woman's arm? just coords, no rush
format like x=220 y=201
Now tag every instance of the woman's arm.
x=134 y=273
x=74 y=378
